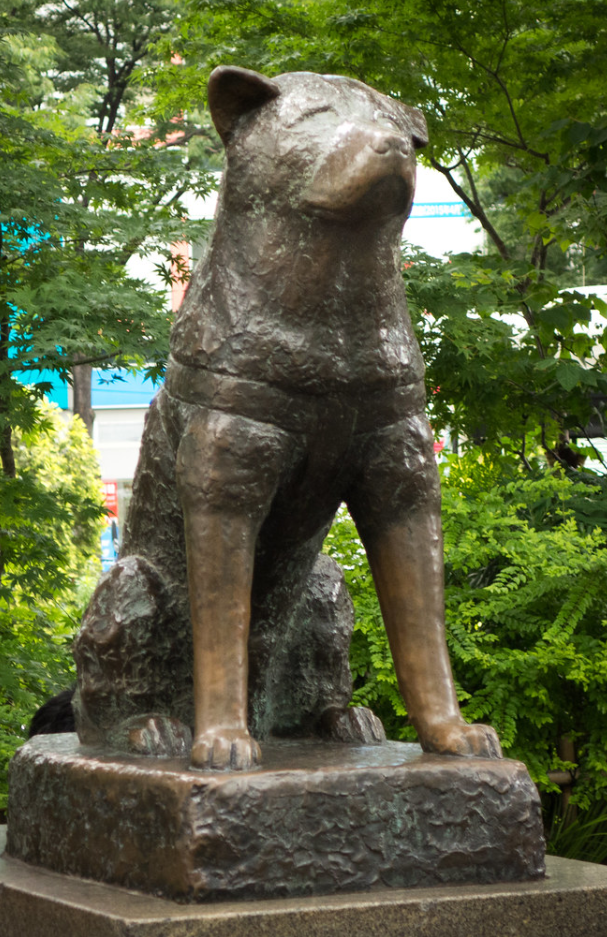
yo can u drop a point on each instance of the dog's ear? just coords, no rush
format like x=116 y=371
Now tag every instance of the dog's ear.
x=234 y=91
x=417 y=124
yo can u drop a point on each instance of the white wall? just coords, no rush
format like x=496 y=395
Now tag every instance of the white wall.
x=434 y=225
x=116 y=437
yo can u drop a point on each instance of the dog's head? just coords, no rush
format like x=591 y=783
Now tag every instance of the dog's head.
x=322 y=145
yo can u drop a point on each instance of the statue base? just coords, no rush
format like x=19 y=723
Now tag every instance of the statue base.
x=316 y=819
x=38 y=903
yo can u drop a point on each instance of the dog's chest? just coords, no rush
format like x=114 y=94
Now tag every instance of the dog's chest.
x=314 y=347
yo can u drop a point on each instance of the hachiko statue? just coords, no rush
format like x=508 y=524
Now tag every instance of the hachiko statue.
x=295 y=383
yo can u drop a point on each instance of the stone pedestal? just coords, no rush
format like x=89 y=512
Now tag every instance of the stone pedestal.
x=572 y=898
x=316 y=819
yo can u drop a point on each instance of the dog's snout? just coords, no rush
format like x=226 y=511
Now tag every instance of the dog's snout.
x=386 y=142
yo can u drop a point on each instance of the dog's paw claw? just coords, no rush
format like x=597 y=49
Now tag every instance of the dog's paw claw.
x=159 y=735
x=460 y=738
x=225 y=749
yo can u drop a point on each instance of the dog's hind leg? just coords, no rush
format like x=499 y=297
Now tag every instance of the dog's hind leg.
x=300 y=683
x=134 y=649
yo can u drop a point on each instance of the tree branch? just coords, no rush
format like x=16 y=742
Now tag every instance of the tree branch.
x=594 y=448
x=80 y=16
x=475 y=207
x=66 y=363
x=494 y=74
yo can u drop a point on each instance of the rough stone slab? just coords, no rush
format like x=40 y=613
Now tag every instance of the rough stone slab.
x=571 y=899
x=317 y=819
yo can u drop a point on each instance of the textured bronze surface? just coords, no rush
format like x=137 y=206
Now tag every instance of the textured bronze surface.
x=294 y=383
x=318 y=818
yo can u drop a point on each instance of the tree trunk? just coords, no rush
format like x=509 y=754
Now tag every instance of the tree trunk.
x=7 y=455
x=81 y=378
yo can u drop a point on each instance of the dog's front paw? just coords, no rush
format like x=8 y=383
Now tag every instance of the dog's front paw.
x=460 y=738
x=225 y=748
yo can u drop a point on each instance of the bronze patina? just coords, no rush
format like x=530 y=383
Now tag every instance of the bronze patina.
x=295 y=383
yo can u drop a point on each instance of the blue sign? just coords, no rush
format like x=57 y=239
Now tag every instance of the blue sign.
x=440 y=210
x=109 y=545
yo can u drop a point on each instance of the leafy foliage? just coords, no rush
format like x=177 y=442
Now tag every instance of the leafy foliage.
x=82 y=191
x=578 y=834
x=526 y=577
x=370 y=658
x=526 y=614
x=50 y=522
x=80 y=194
x=75 y=208
x=494 y=380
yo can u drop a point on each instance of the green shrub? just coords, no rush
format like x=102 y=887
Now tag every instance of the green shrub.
x=370 y=658
x=50 y=522
x=576 y=834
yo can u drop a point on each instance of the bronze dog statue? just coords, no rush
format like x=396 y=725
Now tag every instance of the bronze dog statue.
x=295 y=383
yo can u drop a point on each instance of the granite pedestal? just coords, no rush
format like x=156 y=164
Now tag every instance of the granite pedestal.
x=572 y=898
x=316 y=819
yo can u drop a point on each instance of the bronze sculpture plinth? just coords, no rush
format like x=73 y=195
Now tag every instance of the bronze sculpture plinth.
x=318 y=818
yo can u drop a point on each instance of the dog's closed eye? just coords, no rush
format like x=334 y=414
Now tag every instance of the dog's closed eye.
x=385 y=118
x=310 y=113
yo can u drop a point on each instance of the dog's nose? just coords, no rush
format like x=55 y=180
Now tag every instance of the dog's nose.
x=383 y=142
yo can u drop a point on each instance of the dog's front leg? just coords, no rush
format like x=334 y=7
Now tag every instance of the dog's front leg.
x=395 y=503
x=406 y=560
x=220 y=551
x=227 y=472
